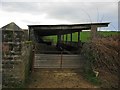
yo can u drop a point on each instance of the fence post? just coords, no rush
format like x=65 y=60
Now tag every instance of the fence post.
x=61 y=59
x=33 y=58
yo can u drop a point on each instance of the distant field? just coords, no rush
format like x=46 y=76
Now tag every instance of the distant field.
x=84 y=36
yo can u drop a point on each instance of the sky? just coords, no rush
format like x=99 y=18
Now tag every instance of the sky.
x=41 y=12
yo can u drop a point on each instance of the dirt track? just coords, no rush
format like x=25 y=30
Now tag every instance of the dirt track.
x=66 y=78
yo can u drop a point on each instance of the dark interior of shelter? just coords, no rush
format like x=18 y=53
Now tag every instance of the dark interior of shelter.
x=47 y=47
x=62 y=45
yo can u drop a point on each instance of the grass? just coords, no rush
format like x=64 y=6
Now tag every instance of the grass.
x=85 y=36
x=93 y=79
x=108 y=33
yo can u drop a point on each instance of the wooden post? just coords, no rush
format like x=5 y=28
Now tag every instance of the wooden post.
x=29 y=34
x=58 y=38
x=33 y=58
x=93 y=31
x=66 y=38
x=63 y=37
x=61 y=60
x=71 y=37
x=78 y=36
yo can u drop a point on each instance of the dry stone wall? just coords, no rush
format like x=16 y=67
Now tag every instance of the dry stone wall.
x=16 y=56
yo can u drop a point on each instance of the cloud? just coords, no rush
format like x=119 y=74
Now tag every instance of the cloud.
x=62 y=12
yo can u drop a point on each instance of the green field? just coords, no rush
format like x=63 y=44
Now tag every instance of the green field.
x=84 y=36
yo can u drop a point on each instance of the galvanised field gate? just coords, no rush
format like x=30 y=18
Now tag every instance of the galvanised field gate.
x=57 y=61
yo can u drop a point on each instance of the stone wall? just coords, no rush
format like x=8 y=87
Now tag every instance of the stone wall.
x=15 y=73
x=16 y=56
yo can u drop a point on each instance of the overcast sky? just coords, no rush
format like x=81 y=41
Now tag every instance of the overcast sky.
x=58 y=12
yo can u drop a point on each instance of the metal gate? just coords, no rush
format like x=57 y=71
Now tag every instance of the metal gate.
x=57 y=61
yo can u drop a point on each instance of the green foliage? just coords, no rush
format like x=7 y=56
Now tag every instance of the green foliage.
x=87 y=52
x=93 y=79
x=89 y=74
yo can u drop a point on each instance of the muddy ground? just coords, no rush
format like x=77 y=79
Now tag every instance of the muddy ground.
x=58 y=78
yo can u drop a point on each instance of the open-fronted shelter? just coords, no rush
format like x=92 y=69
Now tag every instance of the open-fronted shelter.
x=61 y=30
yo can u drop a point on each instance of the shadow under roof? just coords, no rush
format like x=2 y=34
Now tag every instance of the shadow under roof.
x=47 y=30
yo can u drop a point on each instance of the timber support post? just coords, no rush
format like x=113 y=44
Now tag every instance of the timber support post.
x=66 y=38
x=58 y=38
x=78 y=37
x=93 y=31
x=71 y=37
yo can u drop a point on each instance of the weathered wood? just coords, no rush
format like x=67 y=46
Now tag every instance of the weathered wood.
x=47 y=30
x=63 y=37
x=79 y=37
x=93 y=31
x=66 y=38
x=60 y=27
x=71 y=37
x=58 y=38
